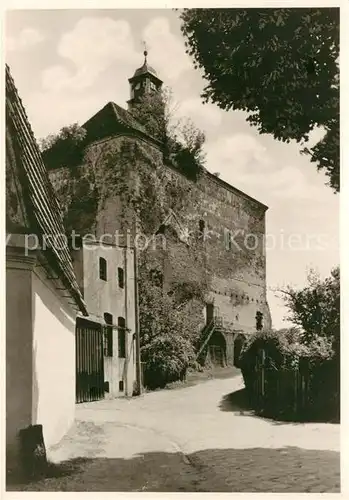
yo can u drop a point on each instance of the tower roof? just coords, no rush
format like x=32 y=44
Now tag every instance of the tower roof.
x=145 y=68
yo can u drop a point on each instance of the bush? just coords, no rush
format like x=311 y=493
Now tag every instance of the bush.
x=167 y=360
x=167 y=336
x=287 y=361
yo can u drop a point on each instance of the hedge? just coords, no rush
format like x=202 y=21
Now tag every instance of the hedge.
x=299 y=381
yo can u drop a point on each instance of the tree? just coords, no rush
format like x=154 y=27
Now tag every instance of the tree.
x=278 y=65
x=182 y=140
x=154 y=112
x=65 y=147
x=166 y=336
x=316 y=307
x=73 y=134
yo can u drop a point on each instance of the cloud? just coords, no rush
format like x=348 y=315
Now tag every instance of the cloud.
x=95 y=44
x=166 y=50
x=27 y=38
x=205 y=116
x=90 y=48
x=50 y=110
x=289 y=182
x=245 y=162
x=238 y=151
x=316 y=135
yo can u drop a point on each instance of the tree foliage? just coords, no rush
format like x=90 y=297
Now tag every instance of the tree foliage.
x=278 y=65
x=65 y=147
x=168 y=334
x=311 y=349
x=72 y=133
x=316 y=307
x=154 y=111
x=182 y=140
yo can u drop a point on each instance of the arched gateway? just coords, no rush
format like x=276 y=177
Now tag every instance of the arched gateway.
x=217 y=349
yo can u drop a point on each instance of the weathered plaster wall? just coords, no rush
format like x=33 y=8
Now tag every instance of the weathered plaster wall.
x=107 y=297
x=239 y=273
x=236 y=276
x=40 y=353
x=53 y=350
x=18 y=354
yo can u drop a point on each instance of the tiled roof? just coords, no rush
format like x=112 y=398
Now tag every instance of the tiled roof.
x=113 y=118
x=127 y=118
x=40 y=201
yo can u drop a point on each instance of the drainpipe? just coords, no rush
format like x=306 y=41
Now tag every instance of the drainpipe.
x=137 y=328
x=126 y=322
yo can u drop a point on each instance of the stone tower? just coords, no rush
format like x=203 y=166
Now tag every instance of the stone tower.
x=144 y=80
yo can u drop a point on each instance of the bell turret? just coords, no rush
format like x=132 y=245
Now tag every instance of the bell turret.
x=145 y=80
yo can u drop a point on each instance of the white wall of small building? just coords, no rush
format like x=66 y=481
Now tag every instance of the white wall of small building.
x=108 y=297
x=53 y=403
x=40 y=355
x=18 y=356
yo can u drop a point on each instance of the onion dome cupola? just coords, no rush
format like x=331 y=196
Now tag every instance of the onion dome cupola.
x=145 y=80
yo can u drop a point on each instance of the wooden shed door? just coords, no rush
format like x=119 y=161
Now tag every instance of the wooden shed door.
x=89 y=361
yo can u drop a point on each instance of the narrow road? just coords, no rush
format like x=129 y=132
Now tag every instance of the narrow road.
x=201 y=438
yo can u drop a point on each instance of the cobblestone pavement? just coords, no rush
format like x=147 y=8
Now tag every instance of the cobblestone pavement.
x=201 y=438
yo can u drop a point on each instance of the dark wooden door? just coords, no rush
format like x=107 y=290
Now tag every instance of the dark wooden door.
x=217 y=355
x=209 y=313
x=89 y=361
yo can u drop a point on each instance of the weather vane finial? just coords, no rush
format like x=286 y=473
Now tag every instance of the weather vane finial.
x=145 y=51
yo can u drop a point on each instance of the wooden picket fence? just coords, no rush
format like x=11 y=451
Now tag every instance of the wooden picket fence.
x=299 y=393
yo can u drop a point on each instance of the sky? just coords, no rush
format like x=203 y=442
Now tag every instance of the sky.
x=67 y=64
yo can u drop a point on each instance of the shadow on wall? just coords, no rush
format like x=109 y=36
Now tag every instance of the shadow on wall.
x=288 y=469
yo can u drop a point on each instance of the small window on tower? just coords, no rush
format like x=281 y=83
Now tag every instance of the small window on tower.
x=259 y=321
x=201 y=228
x=137 y=86
x=228 y=239
x=121 y=277
x=102 y=269
x=121 y=337
x=108 y=335
x=152 y=86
